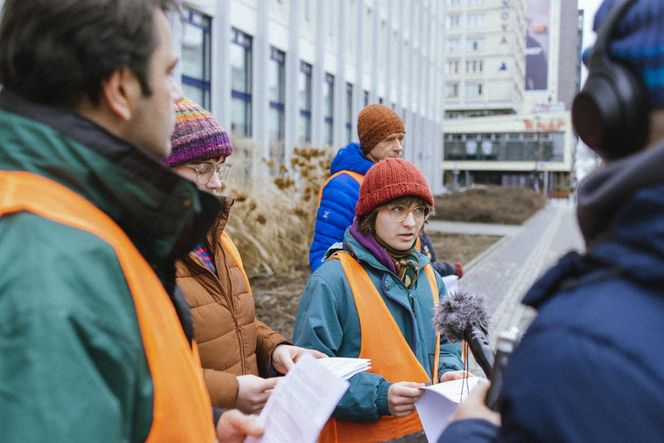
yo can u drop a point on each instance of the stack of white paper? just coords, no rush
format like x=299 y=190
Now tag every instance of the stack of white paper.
x=301 y=403
x=439 y=402
x=345 y=367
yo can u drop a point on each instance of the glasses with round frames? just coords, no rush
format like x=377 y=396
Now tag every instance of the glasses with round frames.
x=205 y=170
x=398 y=213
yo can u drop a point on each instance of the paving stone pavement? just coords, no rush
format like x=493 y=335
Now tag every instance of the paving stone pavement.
x=504 y=272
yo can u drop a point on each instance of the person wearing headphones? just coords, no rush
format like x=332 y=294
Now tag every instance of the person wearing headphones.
x=589 y=367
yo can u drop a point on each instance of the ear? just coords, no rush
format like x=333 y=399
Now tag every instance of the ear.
x=121 y=92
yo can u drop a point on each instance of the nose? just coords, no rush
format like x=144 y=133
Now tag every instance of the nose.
x=214 y=184
x=410 y=219
x=176 y=91
x=398 y=146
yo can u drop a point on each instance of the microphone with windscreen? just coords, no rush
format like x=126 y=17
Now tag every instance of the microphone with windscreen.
x=462 y=316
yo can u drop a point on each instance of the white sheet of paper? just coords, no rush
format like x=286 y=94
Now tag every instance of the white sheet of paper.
x=439 y=402
x=346 y=367
x=301 y=403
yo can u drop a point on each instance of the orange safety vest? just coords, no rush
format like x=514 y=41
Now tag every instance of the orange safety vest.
x=357 y=176
x=381 y=332
x=181 y=406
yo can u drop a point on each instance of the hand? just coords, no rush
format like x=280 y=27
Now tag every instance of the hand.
x=234 y=426
x=253 y=392
x=455 y=375
x=474 y=407
x=401 y=397
x=285 y=356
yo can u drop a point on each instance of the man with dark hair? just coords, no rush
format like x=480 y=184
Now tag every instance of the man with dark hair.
x=94 y=337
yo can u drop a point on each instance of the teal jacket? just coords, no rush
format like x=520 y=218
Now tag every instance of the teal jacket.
x=327 y=320
x=72 y=363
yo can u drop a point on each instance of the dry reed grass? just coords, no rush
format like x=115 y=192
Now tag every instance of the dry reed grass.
x=272 y=220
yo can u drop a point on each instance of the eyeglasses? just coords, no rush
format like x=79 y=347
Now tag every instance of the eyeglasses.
x=399 y=213
x=205 y=170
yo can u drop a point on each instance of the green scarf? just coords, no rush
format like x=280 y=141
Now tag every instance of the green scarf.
x=407 y=263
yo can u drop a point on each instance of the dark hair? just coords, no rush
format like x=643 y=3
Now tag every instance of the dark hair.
x=57 y=52
x=367 y=223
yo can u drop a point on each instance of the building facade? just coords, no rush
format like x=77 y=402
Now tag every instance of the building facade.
x=507 y=108
x=292 y=73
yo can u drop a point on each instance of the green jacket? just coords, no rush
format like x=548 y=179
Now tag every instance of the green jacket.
x=327 y=320
x=72 y=365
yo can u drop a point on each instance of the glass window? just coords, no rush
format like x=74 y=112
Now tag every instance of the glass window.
x=452 y=90
x=241 y=78
x=366 y=98
x=473 y=89
x=475 y=44
x=475 y=20
x=328 y=103
x=276 y=93
x=349 y=112
x=474 y=66
x=304 y=92
x=453 y=21
x=453 y=44
x=196 y=56
x=452 y=67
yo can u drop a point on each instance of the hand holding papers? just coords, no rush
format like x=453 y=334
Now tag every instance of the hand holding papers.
x=303 y=401
x=439 y=402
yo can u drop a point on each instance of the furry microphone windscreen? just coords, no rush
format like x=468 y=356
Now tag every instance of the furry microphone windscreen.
x=457 y=315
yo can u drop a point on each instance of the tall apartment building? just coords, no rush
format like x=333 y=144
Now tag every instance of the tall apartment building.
x=289 y=73
x=507 y=108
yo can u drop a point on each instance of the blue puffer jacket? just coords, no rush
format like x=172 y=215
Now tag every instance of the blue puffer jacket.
x=327 y=320
x=590 y=367
x=337 y=205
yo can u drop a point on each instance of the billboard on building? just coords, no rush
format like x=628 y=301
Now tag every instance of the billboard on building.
x=538 y=17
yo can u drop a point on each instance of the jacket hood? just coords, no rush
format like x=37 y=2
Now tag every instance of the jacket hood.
x=621 y=216
x=350 y=158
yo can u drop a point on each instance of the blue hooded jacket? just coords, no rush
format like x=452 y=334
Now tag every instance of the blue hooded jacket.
x=337 y=206
x=589 y=368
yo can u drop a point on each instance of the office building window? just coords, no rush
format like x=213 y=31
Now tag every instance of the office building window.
x=453 y=44
x=241 y=77
x=276 y=87
x=474 y=66
x=452 y=67
x=452 y=90
x=473 y=89
x=475 y=44
x=196 y=56
x=366 y=98
x=349 y=112
x=453 y=2
x=475 y=20
x=453 y=21
x=328 y=107
x=304 y=91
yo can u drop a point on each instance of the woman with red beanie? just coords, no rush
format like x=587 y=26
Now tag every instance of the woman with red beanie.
x=375 y=299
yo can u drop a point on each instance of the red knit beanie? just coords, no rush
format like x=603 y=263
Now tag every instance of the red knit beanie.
x=374 y=123
x=388 y=180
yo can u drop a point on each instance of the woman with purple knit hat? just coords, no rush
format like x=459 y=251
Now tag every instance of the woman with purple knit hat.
x=238 y=352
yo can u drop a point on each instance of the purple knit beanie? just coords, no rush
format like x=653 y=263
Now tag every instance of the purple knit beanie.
x=197 y=135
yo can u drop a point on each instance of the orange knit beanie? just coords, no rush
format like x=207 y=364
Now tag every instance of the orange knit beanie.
x=374 y=123
x=388 y=180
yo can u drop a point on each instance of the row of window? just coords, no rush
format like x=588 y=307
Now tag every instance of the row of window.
x=516 y=146
x=473 y=44
x=472 y=66
x=472 y=89
x=473 y=20
x=468 y=2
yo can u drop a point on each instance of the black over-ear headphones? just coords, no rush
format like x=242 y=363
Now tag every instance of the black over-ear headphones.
x=610 y=113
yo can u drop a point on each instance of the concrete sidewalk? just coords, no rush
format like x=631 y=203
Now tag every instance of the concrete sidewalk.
x=504 y=272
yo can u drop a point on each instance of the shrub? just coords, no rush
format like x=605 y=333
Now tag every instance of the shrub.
x=273 y=216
